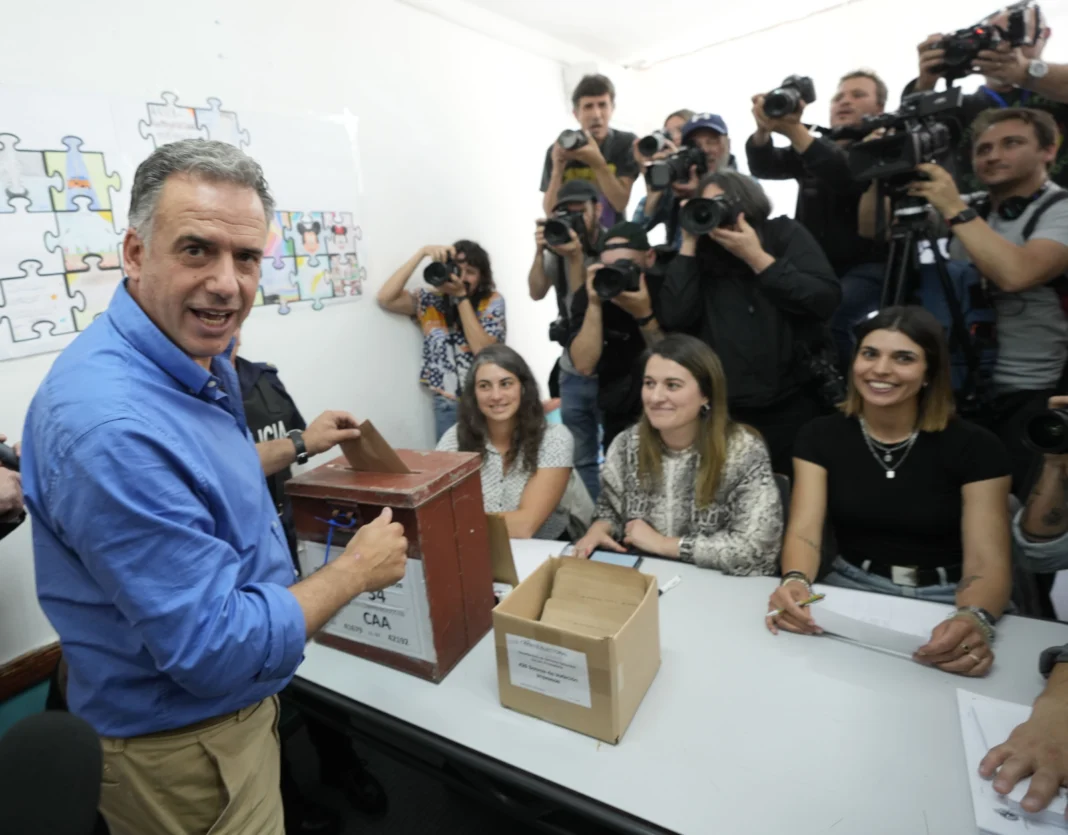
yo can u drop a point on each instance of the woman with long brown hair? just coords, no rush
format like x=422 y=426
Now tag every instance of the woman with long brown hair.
x=526 y=462
x=918 y=498
x=687 y=482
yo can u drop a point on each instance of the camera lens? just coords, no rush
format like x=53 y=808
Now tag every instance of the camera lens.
x=1048 y=432
x=436 y=273
x=651 y=144
x=571 y=139
x=781 y=102
x=702 y=215
x=609 y=283
x=557 y=232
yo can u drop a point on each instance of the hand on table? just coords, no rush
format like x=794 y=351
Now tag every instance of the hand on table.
x=957 y=646
x=793 y=617
x=643 y=536
x=1037 y=749
x=595 y=540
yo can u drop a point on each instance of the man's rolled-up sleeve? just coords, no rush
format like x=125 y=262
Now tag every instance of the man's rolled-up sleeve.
x=134 y=511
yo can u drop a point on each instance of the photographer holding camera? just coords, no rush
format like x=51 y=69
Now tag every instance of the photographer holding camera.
x=1018 y=241
x=1007 y=49
x=1040 y=529
x=566 y=244
x=12 y=510
x=613 y=322
x=596 y=153
x=462 y=315
x=674 y=168
x=828 y=196
x=753 y=288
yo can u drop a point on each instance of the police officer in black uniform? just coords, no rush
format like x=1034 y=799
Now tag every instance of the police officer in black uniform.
x=271 y=414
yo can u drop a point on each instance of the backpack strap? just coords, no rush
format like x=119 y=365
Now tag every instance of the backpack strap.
x=1032 y=222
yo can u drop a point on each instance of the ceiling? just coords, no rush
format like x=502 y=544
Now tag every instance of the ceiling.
x=640 y=33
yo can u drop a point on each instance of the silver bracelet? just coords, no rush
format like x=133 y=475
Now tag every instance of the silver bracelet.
x=979 y=618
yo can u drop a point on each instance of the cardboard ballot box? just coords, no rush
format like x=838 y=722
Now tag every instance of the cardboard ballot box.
x=559 y=670
x=427 y=622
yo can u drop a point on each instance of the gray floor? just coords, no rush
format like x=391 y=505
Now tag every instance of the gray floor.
x=419 y=805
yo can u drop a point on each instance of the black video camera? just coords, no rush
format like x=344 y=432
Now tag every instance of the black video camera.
x=963 y=46
x=623 y=276
x=787 y=98
x=8 y=459
x=921 y=132
x=558 y=228
x=572 y=140
x=438 y=273
x=676 y=168
x=1047 y=432
x=653 y=143
x=703 y=214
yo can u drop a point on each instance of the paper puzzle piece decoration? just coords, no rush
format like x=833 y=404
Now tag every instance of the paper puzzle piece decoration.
x=169 y=122
x=277 y=285
x=22 y=174
x=96 y=284
x=84 y=232
x=84 y=174
x=221 y=124
x=313 y=281
x=23 y=236
x=278 y=246
x=36 y=304
x=341 y=233
x=345 y=274
x=305 y=234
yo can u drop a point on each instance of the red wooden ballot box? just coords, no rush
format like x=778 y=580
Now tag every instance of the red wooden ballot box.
x=426 y=623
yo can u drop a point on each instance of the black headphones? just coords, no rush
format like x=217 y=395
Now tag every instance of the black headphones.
x=1011 y=208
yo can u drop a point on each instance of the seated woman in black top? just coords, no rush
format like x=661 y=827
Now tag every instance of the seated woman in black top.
x=918 y=499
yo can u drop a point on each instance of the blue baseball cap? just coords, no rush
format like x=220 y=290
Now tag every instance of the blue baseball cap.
x=704 y=121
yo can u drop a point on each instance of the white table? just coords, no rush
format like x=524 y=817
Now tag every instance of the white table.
x=741 y=732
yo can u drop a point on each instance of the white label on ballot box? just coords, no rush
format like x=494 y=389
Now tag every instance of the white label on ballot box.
x=549 y=669
x=396 y=619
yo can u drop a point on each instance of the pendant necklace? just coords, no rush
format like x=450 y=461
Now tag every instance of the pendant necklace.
x=884 y=453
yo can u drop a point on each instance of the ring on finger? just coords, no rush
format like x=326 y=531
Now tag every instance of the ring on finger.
x=975 y=658
x=965 y=648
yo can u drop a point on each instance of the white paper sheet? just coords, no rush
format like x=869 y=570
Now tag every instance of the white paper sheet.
x=984 y=723
x=895 y=624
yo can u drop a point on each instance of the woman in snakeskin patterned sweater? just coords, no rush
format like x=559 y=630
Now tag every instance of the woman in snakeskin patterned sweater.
x=687 y=482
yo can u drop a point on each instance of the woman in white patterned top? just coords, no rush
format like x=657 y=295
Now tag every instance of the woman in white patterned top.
x=526 y=462
x=687 y=482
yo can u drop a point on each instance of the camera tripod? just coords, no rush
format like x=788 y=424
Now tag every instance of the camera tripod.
x=908 y=228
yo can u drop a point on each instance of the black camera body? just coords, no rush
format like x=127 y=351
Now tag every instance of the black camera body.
x=558 y=228
x=963 y=46
x=653 y=143
x=788 y=97
x=438 y=273
x=572 y=140
x=559 y=332
x=1047 y=432
x=920 y=133
x=676 y=168
x=624 y=276
x=8 y=459
x=703 y=214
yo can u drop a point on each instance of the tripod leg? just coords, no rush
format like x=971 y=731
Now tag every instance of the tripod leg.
x=904 y=267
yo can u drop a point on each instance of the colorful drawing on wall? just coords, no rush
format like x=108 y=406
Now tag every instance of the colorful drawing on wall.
x=60 y=250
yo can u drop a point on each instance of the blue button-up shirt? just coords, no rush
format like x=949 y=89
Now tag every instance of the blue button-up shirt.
x=160 y=559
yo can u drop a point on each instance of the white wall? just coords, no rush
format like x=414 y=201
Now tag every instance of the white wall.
x=878 y=34
x=452 y=133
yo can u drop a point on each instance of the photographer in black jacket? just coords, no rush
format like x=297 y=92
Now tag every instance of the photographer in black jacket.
x=613 y=323
x=757 y=290
x=828 y=197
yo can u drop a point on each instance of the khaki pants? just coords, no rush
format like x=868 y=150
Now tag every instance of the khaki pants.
x=216 y=778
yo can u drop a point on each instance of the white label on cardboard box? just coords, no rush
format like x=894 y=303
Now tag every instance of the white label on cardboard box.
x=396 y=619
x=548 y=669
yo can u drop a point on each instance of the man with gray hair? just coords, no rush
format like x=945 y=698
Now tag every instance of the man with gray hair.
x=160 y=559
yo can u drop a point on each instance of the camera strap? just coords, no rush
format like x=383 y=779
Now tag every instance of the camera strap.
x=560 y=286
x=994 y=95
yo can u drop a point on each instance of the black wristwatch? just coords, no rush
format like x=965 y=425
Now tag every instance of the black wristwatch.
x=963 y=217
x=297 y=437
x=645 y=320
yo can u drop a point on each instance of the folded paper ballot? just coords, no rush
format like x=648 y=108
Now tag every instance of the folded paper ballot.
x=984 y=723
x=899 y=625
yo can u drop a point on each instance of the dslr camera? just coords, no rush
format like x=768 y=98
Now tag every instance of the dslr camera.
x=623 y=276
x=559 y=331
x=572 y=140
x=963 y=46
x=438 y=273
x=676 y=168
x=1047 y=432
x=559 y=226
x=703 y=214
x=923 y=130
x=8 y=459
x=787 y=98
x=653 y=143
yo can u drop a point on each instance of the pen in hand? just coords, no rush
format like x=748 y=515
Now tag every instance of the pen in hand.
x=816 y=598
